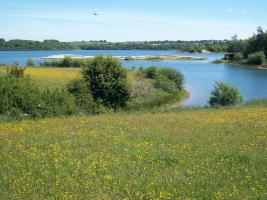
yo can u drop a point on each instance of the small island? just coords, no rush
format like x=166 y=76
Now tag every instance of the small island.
x=128 y=58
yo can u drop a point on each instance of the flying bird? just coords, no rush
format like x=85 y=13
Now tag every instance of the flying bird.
x=95 y=14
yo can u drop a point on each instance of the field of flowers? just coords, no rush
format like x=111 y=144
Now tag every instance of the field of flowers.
x=205 y=154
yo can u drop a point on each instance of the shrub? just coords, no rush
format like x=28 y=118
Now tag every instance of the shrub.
x=65 y=62
x=19 y=97
x=165 y=84
x=256 y=58
x=107 y=80
x=173 y=75
x=56 y=103
x=238 y=57
x=83 y=96
x=225 y=95
x=150 y=72
x=15 y=71
x=30 y=63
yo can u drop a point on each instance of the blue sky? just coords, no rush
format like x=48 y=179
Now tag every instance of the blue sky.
x=130 y=20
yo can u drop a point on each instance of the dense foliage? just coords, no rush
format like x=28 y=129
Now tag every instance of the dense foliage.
x=186 y=46
x=252 y=51
x=21 y=98
x=65 y=62
x=166 y=78
x=107 y=80
x=256 y=58
x=84 y=99
x=225 y=95
x=17 y=45
x=155 y=88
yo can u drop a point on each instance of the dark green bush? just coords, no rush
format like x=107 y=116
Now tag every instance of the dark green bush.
x=107 y=80
x=56 y=103
x=256 y=58
x=225 y=95
x=238 y=57
x=20 y=98
x=165 y=84
x=151 y=72
x=65 y=62
x=83 y=96
x=173 y=75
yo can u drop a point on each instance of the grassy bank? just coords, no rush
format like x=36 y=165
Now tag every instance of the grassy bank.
x=206 y=154
x=144 y=95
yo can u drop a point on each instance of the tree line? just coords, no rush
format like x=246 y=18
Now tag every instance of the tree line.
x=185 y=46
x=27 y=45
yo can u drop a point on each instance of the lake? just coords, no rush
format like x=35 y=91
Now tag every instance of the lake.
x=200 y=75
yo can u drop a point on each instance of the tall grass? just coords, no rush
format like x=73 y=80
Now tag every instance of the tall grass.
x=210 y=154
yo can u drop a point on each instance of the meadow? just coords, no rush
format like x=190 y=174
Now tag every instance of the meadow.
x=203 y=154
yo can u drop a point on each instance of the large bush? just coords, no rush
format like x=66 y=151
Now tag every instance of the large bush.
x=56 y=103
x=84 y=99
x=173 y=75
x=20 y=98
x=150 y=72
x=165 y=84
x=107 y=80
x=238 y=57
x=225 y=95
x=166 y=78
x=256 y=58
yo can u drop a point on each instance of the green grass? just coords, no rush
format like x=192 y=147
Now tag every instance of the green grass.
x=203 y=154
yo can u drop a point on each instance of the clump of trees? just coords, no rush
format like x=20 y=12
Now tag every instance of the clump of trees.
x=252 y=51
x=189 y=46
x=65 y=62
x=225 y=94
x=17 y=45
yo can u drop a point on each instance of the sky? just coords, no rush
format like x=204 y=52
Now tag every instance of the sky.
x=130 y=20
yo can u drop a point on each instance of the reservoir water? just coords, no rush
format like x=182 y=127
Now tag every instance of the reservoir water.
x=200 y=75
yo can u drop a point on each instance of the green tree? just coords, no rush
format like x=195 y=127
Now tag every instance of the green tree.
x=225 y=95
x=107 y=80
x=257 y=43
x=2 y=42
